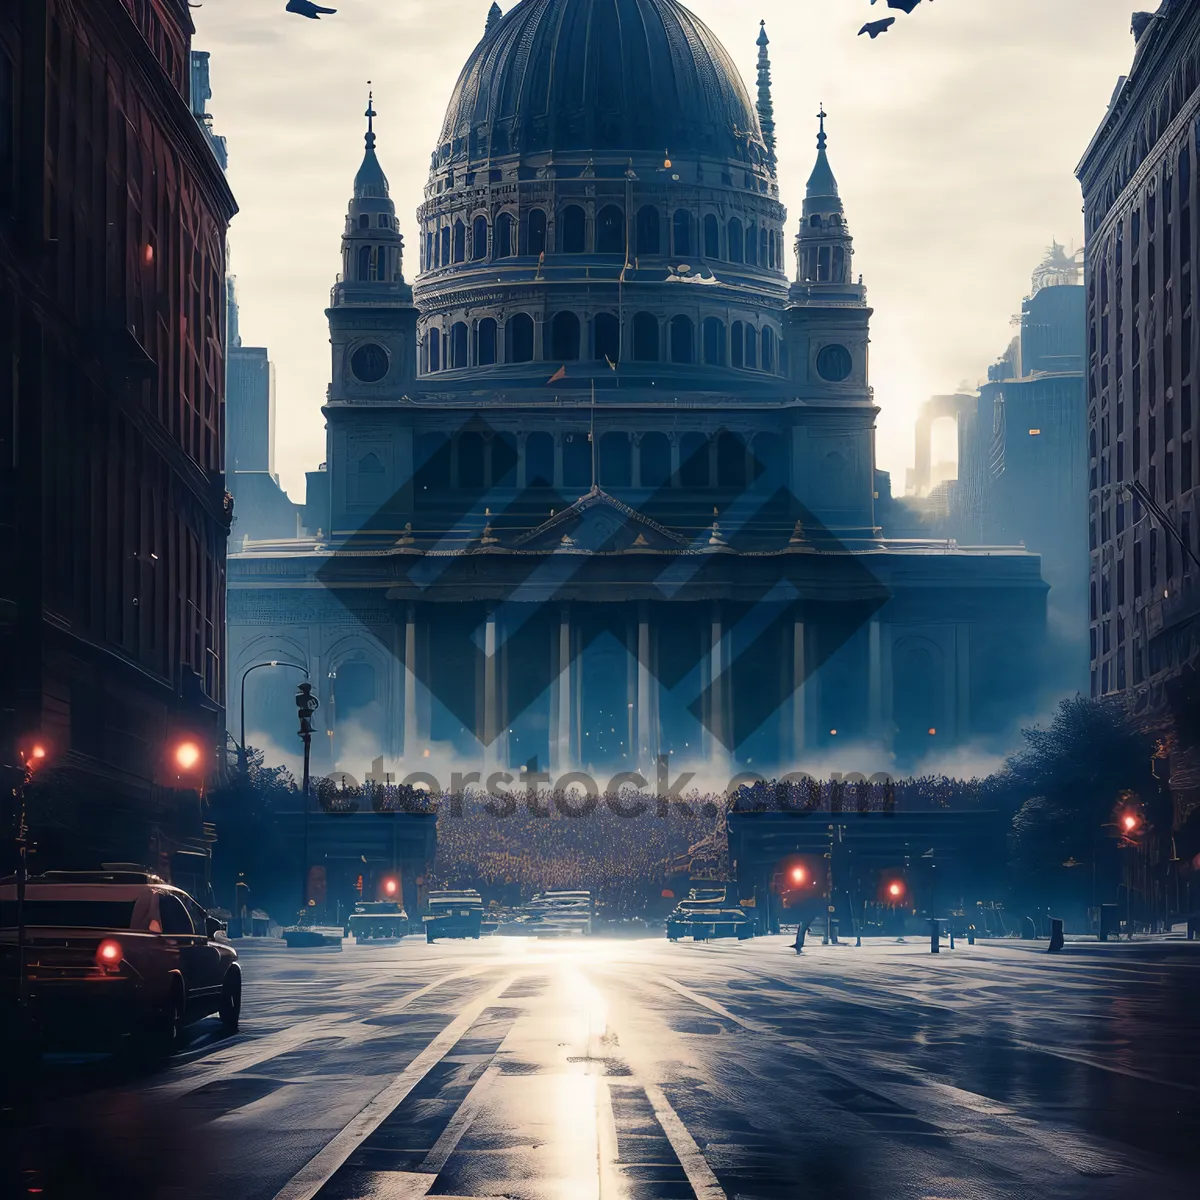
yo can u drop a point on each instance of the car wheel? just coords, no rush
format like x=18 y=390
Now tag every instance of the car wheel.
x=166 y=1028
x=231 y=1001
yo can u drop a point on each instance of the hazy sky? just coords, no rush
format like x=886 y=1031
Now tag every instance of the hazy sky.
x=954 y=138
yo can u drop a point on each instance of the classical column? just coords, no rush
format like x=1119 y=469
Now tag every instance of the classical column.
x=647 y=707
x=412 y=738
x=558 y=460
x=674 y=458
x=631 y=690
x=875 y=680
x=560 y=742
x=719 y=685
x=635 y=454
x=491 y=697
x=962 y=682
x=522 y=471
x=799 y=692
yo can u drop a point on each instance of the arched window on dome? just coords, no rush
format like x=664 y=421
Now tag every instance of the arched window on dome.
x=836 y=221
x=485 y=342
x=610 y=230
x=433 y=340
x=768 y=350
x=752 y=244
x=771 y=248
x=649 y=230
x=379 y=265
x=364 y=263
x=470 y=459
x=433 y=462
x=572 y=226
x=562 y=344
x=731 y=460
x=681 y=229
x=815 y=220
x=430 y=248
x=823 y=264
x=712 y=236
x=737 y=344
x=519 y=332
x=615 y=466
x=654 y=460
x=645 y=337
x=460 y=242
x=736 y=242
x=839 y=264
x=364 y=221
x=683 y=340
x=457 y=348
x=444 y=252
x=535 y=232
x=694 y=460
x=606 y=338
x=479 y=238
x=539 y=460
x=764 y=248
x=714 y=341
x=505 y=225
x=751 y=347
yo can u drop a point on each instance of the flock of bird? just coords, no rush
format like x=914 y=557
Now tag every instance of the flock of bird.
x=306 y=8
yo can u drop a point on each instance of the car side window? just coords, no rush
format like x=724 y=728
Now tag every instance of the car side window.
x=174 y=916
x=198 y=916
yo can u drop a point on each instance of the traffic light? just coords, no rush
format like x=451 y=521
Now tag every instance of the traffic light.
x=306 y=705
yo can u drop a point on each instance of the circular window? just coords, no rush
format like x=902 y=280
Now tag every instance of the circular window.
x=369 y=363
x=834 y=363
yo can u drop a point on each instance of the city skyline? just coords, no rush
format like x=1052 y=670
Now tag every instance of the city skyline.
x=946 y=252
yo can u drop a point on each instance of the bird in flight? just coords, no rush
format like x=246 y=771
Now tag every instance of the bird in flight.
x=904 y=5
x=306 y=8
x=875 y=28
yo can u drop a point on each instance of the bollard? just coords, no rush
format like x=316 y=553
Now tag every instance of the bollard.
x=935 y=937
x=951 y=935
x=970 y=935
x=1056 y=935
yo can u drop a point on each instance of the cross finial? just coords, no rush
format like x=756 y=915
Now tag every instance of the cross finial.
x=821 y=138
x=371 y=114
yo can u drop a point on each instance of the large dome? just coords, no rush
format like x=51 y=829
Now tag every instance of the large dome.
x=604 y=76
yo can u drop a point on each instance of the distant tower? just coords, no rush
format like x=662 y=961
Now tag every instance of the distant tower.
x=494 y=15
x=766 y=108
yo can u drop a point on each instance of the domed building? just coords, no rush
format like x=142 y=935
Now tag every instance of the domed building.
x=600 y=482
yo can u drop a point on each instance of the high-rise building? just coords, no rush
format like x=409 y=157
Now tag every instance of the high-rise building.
x=113 y=510
x=1139 y=178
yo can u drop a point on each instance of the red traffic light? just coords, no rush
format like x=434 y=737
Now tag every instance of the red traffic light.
x=390 y=887
x=187 y=756
x=799 y=874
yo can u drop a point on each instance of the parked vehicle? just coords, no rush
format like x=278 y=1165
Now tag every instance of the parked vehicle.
x=377 y=920
x=552 y=914
x=454 y=914
x=707 y=913
x=114 y=953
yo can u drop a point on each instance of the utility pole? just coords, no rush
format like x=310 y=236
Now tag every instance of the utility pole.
x=306 y=705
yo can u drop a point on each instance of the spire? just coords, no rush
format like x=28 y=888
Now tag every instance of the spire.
x=494 y=15
x=370 y=182
x=821 y=182
x=766 y=109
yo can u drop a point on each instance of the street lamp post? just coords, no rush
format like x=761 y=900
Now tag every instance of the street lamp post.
x=28 y=764
x=243 y=763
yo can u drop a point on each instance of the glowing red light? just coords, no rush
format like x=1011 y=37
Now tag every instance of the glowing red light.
x=798 y=874
x=187 y=755
x=1130 y=821
x=894 y=889
x=39 y=752
x=109 y=954
x=391 y=887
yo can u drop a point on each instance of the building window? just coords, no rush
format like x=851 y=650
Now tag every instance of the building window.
x=649 y=234
x=564 y=337
x=460 y=242
x=606 y=334
x=616 y=461
x=751 y=348
x=458 y=345
x=520 y=338
x=504 y=235
x=385 y=222
x=768 y=350
x=693 y=460
x=364 y=221
x=485 y=342
x=654 y=459
x=433 y=462
x=712 y=237
x=479 y=238
x=714 y=341
x=737 y=344
x=572 y=226
x=682 y=231
x=645 y=337
x=610 y=230
x=682 y=340
x=736 y=244
x=470 y=460
x=444 y=256
x=539 y=460
x=435 y=349
x=752 y=244
x=731 y=460
x=535 y=232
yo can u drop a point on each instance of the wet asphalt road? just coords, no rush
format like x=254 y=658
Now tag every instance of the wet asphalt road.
x=531 y=1069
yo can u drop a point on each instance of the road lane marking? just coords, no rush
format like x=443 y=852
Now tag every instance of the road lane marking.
x=466 y=1113
x=313 y=1176
x=607 y=1151
x=276 y=1044
x=691 y=1157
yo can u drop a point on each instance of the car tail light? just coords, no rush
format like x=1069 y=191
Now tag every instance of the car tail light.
x=109 y=955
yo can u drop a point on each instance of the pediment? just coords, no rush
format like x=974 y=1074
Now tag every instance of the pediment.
x=600 y=524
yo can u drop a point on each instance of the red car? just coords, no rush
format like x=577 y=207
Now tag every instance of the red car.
x=114 y=953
